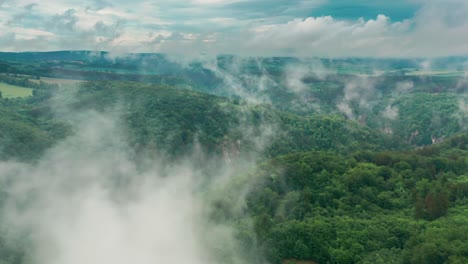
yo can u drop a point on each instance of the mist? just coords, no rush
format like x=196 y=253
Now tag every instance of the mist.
x=88 y=200
x=357 y=94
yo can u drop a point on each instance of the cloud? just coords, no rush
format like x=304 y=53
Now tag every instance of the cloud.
x=99 y=4
x=65 y=22
x=7 y=39
x=462 y=114
x=21 y=16
x=326 y=36
x=357 y=95
x=404 y=87
x=252 y=27
x=391 y=112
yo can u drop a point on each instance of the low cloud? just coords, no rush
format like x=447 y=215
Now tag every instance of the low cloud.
x=404 y=87
x=358 y=93
x=87 y=200
x=391 y=112
x=462 y=114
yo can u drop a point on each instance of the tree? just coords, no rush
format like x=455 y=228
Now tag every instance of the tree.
x=433 y=202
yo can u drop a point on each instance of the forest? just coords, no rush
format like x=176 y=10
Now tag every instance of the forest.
x=316 y=171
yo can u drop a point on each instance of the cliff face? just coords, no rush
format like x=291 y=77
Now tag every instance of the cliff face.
x=231 y=150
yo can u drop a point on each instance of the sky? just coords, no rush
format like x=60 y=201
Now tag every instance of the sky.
x=323 y=28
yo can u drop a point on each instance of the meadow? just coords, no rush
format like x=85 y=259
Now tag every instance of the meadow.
x=13 y=91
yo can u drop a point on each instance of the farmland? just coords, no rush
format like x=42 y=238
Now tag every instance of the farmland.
x=13 y=91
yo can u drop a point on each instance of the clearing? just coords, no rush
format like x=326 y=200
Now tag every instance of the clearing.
x=13 y=91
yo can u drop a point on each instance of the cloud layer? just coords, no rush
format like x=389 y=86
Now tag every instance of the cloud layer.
x=411 y=28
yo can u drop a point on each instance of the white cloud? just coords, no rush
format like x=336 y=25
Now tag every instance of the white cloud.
x=391 y=112
x=326 y=36
x=27 y=33
x=437 y=29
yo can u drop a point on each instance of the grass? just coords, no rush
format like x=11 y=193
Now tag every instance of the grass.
x=13 y=91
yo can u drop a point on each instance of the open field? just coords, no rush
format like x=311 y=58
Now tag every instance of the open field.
x=13 y=91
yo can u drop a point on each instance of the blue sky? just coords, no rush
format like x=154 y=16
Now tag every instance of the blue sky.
x=368 y=9
x=326 y=28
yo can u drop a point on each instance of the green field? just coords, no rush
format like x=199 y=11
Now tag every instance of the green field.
x=13 y=91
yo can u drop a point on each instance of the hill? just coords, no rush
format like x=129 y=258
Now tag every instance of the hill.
x=172 y=120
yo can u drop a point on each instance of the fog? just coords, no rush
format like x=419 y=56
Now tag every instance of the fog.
x=358 y=93
x=87 y=200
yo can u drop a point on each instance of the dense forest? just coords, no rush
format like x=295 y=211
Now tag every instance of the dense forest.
x=334 y=177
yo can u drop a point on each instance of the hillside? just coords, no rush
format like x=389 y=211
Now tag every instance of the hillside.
x=384 y=183
x=171 y=120
x=415 y=106
x=369 y=207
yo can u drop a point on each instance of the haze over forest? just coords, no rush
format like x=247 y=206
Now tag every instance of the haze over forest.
x=233 y=131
